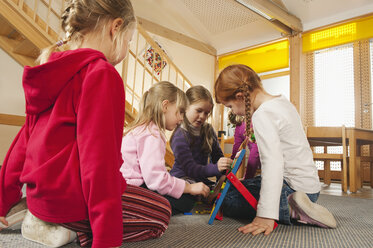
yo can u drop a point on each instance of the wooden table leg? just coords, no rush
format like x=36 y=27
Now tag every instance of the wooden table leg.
x=359 y=172
x=352 y=160
x=371 y=174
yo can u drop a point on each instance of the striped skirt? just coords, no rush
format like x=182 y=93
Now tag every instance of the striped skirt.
x=146 y=215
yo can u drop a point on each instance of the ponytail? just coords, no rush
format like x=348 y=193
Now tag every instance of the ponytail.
x=46 y=52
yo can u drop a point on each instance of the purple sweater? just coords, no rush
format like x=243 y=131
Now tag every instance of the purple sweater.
x=253 y=162
x=191 y=161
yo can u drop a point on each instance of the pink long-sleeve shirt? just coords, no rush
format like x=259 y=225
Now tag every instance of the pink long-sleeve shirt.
x=143 y=151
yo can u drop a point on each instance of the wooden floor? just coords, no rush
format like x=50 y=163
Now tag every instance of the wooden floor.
x=336 y=189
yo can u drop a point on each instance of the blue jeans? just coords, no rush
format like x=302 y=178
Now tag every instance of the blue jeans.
x=236 y=206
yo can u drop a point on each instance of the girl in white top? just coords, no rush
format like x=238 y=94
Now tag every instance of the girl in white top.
x=289 y=183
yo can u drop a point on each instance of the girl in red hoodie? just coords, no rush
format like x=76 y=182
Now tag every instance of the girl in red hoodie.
x=68 y=151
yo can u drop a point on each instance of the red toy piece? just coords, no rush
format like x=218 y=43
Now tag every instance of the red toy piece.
x=244 y=192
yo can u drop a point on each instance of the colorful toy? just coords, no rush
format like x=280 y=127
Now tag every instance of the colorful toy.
x=155 y=60
x=232 y=179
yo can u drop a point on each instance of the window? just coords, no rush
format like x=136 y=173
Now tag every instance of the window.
x=334 y=92
x=371 y=77
x=334 y=86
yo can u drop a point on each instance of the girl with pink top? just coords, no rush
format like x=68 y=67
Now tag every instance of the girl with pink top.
x=162 y=108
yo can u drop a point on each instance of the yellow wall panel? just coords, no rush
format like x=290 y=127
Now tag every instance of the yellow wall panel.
x=338 y=35
x=261 y=59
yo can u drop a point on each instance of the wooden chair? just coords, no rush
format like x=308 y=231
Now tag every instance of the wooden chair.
x=230 y=140
x=369 y=160
x=330 y=136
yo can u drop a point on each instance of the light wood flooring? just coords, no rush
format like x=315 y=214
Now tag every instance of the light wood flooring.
x=336 y=189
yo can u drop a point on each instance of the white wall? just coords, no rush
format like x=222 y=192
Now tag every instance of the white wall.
x=197 y=66
x=278 y=86
x=7 y=135
x=12 y=100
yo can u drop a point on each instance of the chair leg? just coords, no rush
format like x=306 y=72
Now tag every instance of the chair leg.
x=371 y=174
x=327 y=176
x=344 y=176
x=360 y=173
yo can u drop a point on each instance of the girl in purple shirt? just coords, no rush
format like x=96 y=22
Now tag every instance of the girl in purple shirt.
x=194 y=143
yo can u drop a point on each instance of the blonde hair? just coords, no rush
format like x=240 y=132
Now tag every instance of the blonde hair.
x=234 y=79
x=196 y=94
x=151 y=105
x=86 y=17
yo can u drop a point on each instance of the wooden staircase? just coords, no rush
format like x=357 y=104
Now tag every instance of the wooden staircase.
x=25 y=30
x=22 y=32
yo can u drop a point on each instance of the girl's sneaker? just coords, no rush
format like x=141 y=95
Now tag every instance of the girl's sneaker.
x=49 y=234
x=303 y=210
x=15 y=215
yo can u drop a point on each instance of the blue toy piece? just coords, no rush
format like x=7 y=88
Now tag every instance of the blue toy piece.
x=236 y=164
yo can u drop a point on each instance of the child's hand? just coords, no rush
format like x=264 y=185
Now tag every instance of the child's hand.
x=224 y=164
x=197 y=189
x=258 y=225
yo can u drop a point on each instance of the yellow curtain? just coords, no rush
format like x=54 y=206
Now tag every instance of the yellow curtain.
x=261 y=59
x=338 y=35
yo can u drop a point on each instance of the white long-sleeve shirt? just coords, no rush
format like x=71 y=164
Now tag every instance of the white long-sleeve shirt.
x=284 y=154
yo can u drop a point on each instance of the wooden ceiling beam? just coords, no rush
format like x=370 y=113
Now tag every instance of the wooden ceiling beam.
x=273 y=10
x=281 y=27
x=176 y=36
x=280 y=4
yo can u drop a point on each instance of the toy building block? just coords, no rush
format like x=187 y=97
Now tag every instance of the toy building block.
x=244 y=192
x=232 y=179
x=236 y=163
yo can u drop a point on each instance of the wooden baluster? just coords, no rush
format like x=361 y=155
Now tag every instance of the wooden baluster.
x=144 y=69
x=134 y=72
x=62 y=10
x=48 y=16
x=169 y=71
x=153 y=63
x=36 y=4
x=177 y=74
x=160 y=74
x=125 y=71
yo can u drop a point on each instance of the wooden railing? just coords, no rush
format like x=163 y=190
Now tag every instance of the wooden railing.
x=146 y=73
x=44 y=13
x=138 y=73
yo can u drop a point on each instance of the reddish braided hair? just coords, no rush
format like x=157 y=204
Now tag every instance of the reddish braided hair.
x=247 y=100
x=234 y=79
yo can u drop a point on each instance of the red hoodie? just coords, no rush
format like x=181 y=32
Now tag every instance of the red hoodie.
x=68 y=151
